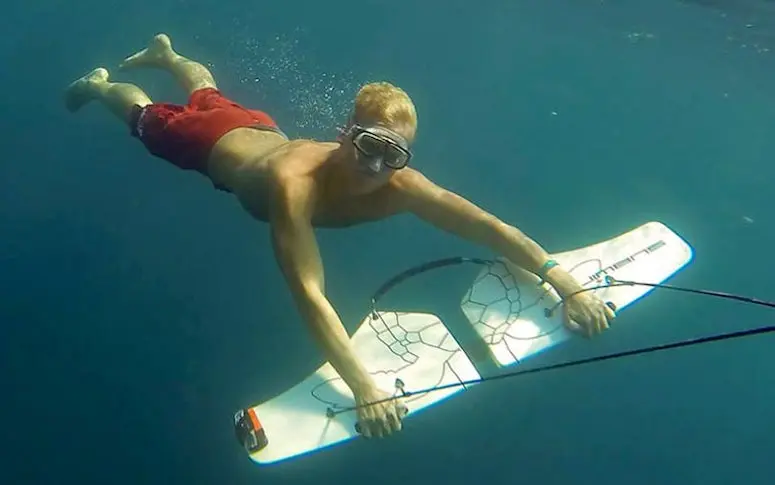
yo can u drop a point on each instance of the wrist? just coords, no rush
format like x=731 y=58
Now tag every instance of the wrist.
x=561 y=281
x=359 y=381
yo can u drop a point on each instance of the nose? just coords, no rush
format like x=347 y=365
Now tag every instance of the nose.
x=375 y=164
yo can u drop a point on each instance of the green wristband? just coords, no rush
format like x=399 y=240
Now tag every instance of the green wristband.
x=546 y=267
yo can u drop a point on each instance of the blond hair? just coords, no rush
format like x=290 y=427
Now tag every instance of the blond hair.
x=388 y=105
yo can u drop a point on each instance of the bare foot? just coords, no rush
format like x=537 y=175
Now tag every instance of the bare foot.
x=159 y=53
x=85 y=89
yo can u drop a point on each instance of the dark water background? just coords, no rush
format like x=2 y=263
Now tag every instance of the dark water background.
x=139 y=308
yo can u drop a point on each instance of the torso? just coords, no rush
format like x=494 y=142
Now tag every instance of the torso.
x=249 y=163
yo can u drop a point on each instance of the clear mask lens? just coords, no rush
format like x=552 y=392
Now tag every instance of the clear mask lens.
x=373 y=146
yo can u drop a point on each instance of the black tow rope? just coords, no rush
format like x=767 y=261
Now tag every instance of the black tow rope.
x=610 y=281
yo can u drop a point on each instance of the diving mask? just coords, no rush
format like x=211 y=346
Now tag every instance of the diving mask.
x=374 y=144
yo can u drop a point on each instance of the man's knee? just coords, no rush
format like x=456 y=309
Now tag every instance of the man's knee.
x=134 y=118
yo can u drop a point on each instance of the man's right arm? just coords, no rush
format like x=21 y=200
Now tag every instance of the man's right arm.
x=298 y=255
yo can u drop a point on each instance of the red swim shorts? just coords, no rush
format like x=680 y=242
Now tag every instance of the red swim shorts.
x=185 y=134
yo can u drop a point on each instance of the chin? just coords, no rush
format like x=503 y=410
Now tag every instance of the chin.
x=365 y=183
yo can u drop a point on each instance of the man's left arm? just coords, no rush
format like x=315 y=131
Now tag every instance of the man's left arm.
x=457 y=215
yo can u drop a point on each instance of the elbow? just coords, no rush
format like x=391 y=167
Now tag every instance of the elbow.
x=496 y=234
x=512 y=243
x=306 y=294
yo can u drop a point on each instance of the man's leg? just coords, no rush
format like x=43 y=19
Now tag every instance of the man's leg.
x=119 y=98
x=191 y=75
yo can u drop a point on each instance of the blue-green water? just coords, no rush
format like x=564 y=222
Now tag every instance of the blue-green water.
x=140 y=308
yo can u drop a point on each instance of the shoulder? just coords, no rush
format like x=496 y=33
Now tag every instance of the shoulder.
x=291 y=192
x=295 y=171
x=410 y=181
x=412 y=187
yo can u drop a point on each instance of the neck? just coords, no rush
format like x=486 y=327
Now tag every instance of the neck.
x=335 y=173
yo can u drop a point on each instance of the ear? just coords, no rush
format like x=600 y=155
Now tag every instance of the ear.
x=344 y=129
x=341 y=132
x=350 y=121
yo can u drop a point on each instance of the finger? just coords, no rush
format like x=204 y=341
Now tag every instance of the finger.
x=403 y=410
x=372 y=422
x=576 y=328
x=587 y=328
x=607 y=316
x=610 y=312
x=602 y=320
x=597 y=323
x=571 y=324
x=393 y=422
x=364 y=417
x=363 y=428
x=390 y=422
x=377 y=428
x=603 y=323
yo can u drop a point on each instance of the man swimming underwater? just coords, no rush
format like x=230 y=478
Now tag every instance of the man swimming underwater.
x=296 y=185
